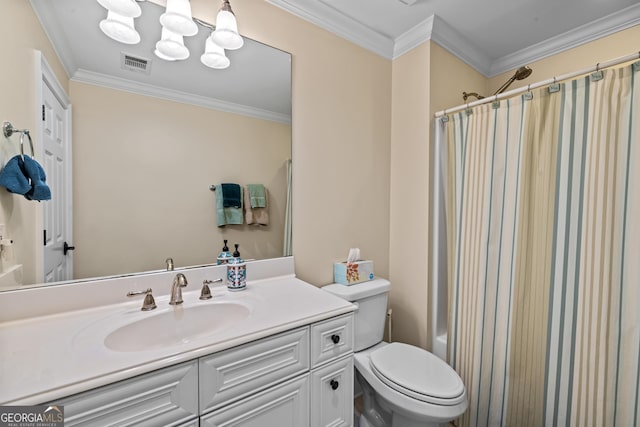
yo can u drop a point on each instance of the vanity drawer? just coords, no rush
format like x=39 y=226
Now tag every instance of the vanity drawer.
x=331 y=339
x=240 y=371
x=285 y=405
x=166 y=397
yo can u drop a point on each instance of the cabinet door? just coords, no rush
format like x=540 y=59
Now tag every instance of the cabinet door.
x=286 y=405
x=332 y=394
x=167 y=397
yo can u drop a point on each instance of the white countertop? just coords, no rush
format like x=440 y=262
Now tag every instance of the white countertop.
x=48 y=357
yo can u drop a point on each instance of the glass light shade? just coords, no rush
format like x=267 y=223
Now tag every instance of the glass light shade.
x=213 y=56
x=120 y=28
x=177 y=18
x=128 y=8
x=226 y=33
x=172 y=45
x=162 y=56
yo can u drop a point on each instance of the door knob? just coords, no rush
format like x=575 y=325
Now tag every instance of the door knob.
x=66 y=248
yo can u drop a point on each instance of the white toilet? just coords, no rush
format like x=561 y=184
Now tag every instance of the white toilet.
x=403 y=385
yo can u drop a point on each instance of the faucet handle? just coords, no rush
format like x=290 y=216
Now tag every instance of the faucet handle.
x=205 y=292
x=148 y=303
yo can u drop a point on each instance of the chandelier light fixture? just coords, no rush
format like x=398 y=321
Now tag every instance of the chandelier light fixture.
x=177 y=22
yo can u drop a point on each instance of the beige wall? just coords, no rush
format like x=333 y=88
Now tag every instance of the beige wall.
x=409 y=189
x=425 y=79
x=21 y=35
x=341 y=139
x=142 y=171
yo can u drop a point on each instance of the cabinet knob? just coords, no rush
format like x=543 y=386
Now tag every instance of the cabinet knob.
x=335 y=338
x=334 y=384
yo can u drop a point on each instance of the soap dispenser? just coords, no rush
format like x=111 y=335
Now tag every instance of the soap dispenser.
x=236 y=272
x=225 y=256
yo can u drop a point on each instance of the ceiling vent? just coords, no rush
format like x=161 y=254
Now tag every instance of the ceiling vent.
x=134 y=63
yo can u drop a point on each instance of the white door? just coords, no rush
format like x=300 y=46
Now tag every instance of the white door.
x=56 y=138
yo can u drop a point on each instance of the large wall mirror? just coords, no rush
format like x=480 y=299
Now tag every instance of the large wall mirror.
x=147 y=144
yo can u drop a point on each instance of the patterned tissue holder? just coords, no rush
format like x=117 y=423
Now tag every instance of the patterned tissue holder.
x=350 y=273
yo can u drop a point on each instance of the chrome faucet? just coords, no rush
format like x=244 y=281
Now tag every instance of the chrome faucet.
x=179 y=282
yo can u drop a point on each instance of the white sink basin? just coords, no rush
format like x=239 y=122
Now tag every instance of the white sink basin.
x=179 y=325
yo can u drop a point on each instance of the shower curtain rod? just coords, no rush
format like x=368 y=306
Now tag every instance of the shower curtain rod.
x=597 y=67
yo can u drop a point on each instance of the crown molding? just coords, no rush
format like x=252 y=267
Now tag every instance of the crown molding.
x=98 y=79
x=414 y=37
x=602 y=27
x=343 y=26
x=437 y=30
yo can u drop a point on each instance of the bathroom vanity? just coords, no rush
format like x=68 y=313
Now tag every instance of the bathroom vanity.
x=279 y=353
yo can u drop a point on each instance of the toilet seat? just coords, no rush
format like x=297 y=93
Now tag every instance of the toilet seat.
x=417 y=373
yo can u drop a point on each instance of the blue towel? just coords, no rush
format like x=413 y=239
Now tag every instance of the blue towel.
x=39 y=188
x=13 y=177
x=231 y=196
x=229 y=215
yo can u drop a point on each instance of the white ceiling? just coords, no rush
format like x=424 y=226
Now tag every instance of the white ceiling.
x=493 y=36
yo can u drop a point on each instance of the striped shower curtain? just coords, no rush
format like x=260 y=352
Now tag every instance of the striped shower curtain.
x=543 y=253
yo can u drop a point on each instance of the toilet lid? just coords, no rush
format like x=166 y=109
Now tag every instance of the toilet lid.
x=417 y=373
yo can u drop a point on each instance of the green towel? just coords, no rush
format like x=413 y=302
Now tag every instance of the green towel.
x=227 y=215
x=257 y=195
x=231 y=195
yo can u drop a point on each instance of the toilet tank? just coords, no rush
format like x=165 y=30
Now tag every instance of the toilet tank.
x=371 y=299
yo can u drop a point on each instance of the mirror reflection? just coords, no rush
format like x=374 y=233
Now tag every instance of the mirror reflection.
x=145 y=148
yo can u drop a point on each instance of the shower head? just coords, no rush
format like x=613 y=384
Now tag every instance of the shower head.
x=520 y=74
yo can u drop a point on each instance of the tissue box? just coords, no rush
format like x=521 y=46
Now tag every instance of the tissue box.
x=349 y=273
